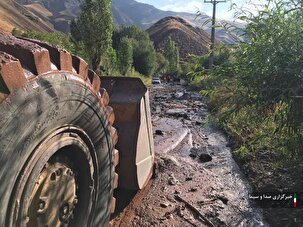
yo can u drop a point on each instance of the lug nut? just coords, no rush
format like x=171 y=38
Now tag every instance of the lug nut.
x=69 y=172
x=64 y=212
x=65 y=209
x=53 y=176
x=75 y=201
x=41 y=206
x=59 y=172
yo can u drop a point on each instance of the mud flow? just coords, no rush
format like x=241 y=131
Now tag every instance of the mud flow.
x=197 y=181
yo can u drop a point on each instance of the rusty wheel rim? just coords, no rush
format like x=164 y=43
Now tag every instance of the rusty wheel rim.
x=53 y=198
x=57 y=186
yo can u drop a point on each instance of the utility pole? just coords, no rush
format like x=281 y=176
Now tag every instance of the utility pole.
x=212 y=37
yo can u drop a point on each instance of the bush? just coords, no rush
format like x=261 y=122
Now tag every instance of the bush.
x=252 y=90
x=56 y=38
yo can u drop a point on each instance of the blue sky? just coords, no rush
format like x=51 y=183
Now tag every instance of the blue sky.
x=192 y=6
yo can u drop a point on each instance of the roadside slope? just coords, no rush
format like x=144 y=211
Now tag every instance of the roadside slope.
x=189 y=39
x=14 y=15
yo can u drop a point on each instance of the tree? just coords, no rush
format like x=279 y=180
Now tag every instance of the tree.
x=162 y=64
x=145 y=57
x=144 y=54
x=171 y=52
x=270 y=66
x=94 y=28
x=262 y=79
x=125 y=54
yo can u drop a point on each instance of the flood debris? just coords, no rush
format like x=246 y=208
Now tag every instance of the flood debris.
x=164 y=204
x=195 y=210
x=223 y=199
x=159 y=132
x=172 y=180
x=199 y=183
x=204 y=157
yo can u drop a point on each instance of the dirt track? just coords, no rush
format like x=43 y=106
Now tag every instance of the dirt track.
x=198 y=182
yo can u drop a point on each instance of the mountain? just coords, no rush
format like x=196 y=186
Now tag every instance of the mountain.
x=59 y=13
x=144 y=15
x=14 y=15
x=62 y=11
x=125 y=12
x=189 y=39
x=130 y=12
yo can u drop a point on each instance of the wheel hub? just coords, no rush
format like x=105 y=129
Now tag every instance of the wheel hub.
x=54 y=198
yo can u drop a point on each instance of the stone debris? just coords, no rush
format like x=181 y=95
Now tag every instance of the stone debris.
x=177 y=192
x=205 y=157
x=159 y=132
x=164 y=204
x=177 y=113
x=178 y=94
x=188 y=179
x=223 y=199
x=197 y=184
x=193 y=189
x=172 y=180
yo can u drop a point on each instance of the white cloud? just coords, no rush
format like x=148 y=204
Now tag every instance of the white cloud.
x=183 y=6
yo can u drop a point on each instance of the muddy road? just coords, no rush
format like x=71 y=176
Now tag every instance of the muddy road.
x=198 y=183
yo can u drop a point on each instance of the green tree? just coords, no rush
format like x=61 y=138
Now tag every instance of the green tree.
x=93 y=28
x=145 y=61
x=144 y=54
x=162 y=64
x=171 y=53
x=125 y=55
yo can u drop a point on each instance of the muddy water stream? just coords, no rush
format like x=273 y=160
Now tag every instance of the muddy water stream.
x=198 y=182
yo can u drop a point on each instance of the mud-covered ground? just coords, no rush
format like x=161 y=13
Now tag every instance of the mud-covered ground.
x=198 y=183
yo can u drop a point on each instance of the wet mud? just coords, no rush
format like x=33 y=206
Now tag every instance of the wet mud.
x=198 y=183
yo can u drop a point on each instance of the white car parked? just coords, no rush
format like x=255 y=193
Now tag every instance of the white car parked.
x=156 y=80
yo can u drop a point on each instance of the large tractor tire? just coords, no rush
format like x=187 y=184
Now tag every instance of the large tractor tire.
x=57 y=155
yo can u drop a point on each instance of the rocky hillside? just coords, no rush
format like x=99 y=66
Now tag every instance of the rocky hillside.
x=58 y=14
x=189 y=39
x=125 y=12
x=14 y=15
x=145 y=15
x=61 y=11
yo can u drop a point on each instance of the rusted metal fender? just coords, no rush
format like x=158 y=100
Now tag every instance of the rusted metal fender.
x=130 y=100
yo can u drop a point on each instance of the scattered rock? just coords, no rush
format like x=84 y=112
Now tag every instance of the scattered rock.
x=159 y=132
x=177 y=113
x=193 y=189
x=169 y=162
x=188 y=178
x=223 y=199
x=170 y=216
x=193 y=155
x=178 y=94
x=204 y=157
x=172 y=180
x=164 y=204
x=164 y=188
x=177 y=192
x=199 y=122
x=181 y=212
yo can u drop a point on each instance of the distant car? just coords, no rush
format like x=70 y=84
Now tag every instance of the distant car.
x=156 y=80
